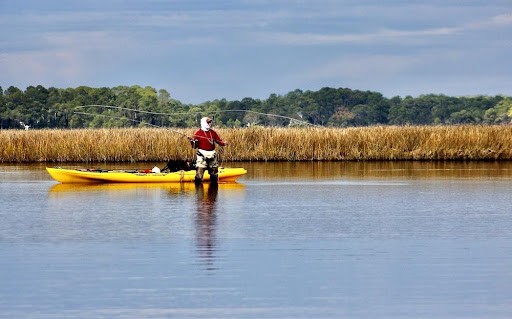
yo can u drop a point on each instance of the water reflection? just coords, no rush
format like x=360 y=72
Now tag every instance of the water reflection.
x=133 y=211
x=206 y=222
x=202 y=200
x=172 y=188
x=312 y=170
x=378 y=170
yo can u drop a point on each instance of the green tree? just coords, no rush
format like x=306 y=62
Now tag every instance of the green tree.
x=274 y=105
x=441 y=107
x=250 y=105
x=327 y=100
x=179 y=113
x=499 y=114
x=3 y=111
x=82 y=96
x=464 y=117
x=310 y=110
x=35 y=106
x=342 y=117
x=377 y=108
x=59 y=108
x=14 y=107
x=163 y=98
x=411 y=111
x=135 y=105
x=365 y=115
x=148 y=102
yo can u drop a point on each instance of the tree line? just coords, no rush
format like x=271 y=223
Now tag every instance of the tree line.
x=132 y=106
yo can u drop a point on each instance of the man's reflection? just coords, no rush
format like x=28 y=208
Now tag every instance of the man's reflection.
x=206 y=223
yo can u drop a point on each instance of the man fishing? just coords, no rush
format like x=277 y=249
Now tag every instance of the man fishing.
x=204 y=140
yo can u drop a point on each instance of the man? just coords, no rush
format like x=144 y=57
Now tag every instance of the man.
x=204 y=140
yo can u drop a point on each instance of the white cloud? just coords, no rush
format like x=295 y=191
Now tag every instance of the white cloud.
x=63 y=57
x=503 y=19
x=382 y=35
x=284 y=43
x=493 y=23
x=378 y=36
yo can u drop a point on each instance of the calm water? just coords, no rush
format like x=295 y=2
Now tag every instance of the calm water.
x=290 y=240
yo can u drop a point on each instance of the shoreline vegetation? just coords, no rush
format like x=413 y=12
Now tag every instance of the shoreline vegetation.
x=374 y=143
x=38 y=107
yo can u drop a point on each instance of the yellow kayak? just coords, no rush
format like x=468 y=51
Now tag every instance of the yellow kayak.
x=83 y=175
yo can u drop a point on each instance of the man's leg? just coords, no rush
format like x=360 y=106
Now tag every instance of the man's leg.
x=200 y=168
x=214 y=174
x=213 y=170
x=199 y=175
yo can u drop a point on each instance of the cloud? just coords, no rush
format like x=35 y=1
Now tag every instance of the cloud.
x=83 y=41
x=63 y=66
x=64 y=57
x=495 y=22
x=381 y=35
x=503 y=19
x=271 y=45
x=378 y=36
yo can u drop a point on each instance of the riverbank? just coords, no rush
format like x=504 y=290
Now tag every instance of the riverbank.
x=469 y=142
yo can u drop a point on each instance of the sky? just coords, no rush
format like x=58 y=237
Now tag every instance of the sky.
x=201 y=50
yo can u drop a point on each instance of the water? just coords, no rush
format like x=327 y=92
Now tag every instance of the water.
x=290 y=240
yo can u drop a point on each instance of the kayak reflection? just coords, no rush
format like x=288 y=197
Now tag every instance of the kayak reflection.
x=173 y=188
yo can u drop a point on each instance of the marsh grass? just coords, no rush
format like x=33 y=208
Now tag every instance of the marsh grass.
x=262 y=144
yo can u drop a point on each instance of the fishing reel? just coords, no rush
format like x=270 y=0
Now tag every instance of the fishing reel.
x=194 y=143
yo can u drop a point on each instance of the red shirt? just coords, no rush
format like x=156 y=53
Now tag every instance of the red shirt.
x=207 y=140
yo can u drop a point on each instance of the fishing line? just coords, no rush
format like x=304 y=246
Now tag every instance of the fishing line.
x=268 y=114
x=291 y=119
x=130 y=109
x=135 y=121
x=139 y=122
x=132 y=120
x=181 y=113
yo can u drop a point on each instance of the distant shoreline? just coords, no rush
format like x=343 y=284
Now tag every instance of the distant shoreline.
x=375 y=143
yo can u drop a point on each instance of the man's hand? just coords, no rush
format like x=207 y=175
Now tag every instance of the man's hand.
x=193 y=142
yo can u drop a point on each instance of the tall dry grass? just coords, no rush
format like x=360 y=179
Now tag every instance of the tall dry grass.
x=262 y=144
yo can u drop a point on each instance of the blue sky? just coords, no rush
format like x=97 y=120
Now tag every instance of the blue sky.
x=204 y=50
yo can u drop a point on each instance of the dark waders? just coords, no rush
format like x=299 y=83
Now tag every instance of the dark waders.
x=212 y=165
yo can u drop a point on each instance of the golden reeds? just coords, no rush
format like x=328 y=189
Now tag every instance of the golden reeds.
x=470 y=142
